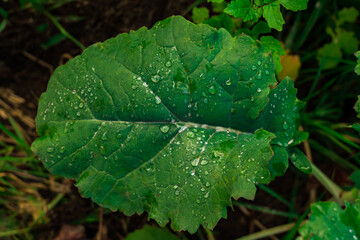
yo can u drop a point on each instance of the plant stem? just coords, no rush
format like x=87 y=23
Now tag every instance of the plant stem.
x=63 y=30
x=268 y=232
x=334 y=189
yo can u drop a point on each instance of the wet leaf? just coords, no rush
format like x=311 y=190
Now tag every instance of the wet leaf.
x=175 y=121
x=329 y=221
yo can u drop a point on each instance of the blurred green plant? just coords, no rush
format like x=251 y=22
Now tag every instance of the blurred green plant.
x=342 y=40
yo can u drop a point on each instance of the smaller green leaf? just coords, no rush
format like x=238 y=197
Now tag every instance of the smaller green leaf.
x=330 y=54
x=279 y=162
x=221 y=21
x=151 y=233
x=294 y=5
x=299 y=160
x=347 y=41
x=273 y=45
x=299 y=137
x=243 y=9
x=348 y=15
x=328 y=221
x=273 y=16
x=357 y=68
x=260 y=28
x=199 y=15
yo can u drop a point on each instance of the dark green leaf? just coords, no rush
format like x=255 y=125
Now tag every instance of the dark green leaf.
x=221 y=21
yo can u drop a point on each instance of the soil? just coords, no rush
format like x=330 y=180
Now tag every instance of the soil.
x=25 y=68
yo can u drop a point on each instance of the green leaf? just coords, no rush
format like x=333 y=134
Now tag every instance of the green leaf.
x=151 y=233
x=260 y=28
x=221 y=21
x=347 y=41
x=175 y=121
x=273 y=45
x=294 y=5
x=348 y=15
x=273 y=16
x=357 y=67
x=199 y=15
x=329 y=221
x=279 y=163
x=299 y=160
x=329 y=55
x=243 y=9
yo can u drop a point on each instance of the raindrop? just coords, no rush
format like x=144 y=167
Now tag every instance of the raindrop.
x=192 y=172
x=253 y=67
x=177 y=193
x=228 y=82
x=206 y=195
x=258 y=90
x=168 y=64
x=259 y=76
x=259 y=62
x=78 y=114
x=202 y=189
x=157 y=100
x=50 y=149
x=266 y=66
x=195 y=162
x=285 y=125
x=164 y=128
x=275 y=95
x=62 y=149
x=204 y=162
x=104 y=137
x=155 y=78
x=212 y=89
x=190 y=134
x=81 y=105
x=207 y=184
x=267 y=72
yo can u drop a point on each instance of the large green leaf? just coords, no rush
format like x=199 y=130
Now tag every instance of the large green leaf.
x=174 y=121
x=329 y=221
